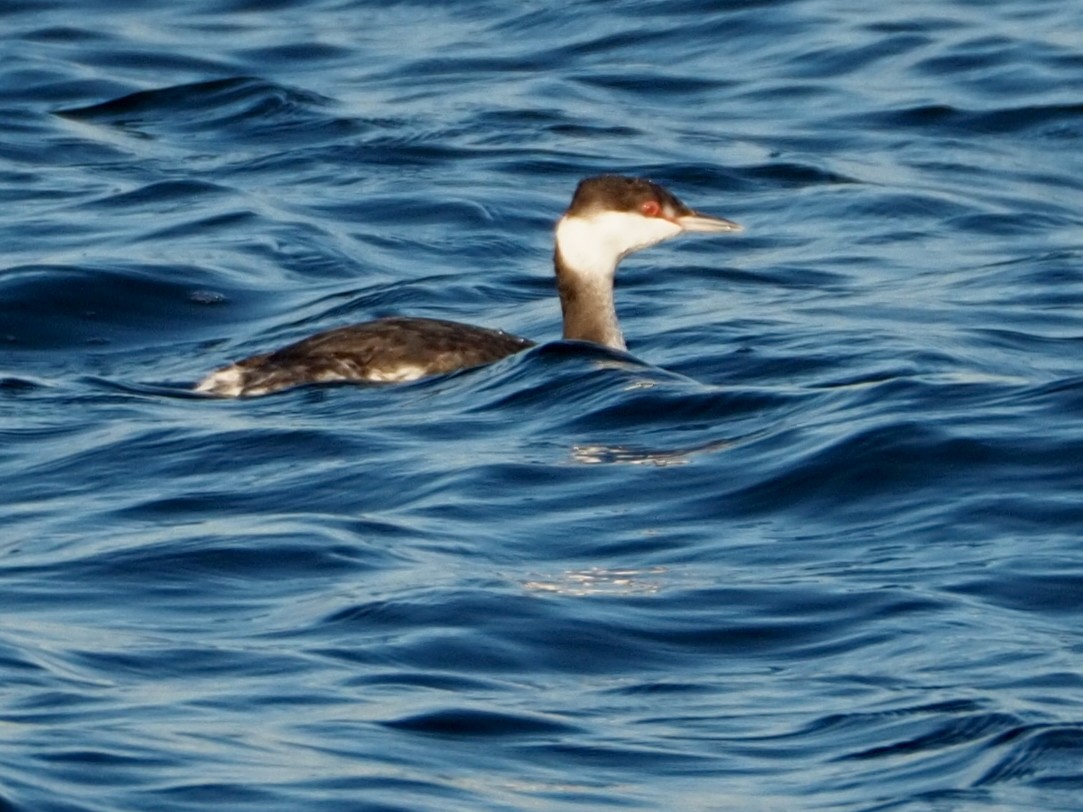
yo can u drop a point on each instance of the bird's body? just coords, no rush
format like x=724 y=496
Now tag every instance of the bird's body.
x=609 y=217
x=392 y=350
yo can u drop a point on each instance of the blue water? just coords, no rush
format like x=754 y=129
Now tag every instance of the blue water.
x=816 y=542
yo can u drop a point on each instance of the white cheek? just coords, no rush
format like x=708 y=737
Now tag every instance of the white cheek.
x=632 y=232
x=597 y=244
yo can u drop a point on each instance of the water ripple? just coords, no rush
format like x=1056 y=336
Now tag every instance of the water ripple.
x=811 y=543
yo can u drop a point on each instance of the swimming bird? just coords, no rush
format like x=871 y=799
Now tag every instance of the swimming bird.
x=610 y=217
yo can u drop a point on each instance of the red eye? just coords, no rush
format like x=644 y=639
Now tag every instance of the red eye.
x=650 y=208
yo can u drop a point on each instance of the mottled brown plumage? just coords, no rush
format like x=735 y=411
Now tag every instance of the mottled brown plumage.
x=381 y=351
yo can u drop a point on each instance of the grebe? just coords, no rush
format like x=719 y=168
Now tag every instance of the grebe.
x=609 y=218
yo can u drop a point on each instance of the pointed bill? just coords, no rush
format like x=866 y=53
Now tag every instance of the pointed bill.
x=706 y=223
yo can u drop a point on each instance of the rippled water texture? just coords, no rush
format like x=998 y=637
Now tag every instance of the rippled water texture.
x=814 y=543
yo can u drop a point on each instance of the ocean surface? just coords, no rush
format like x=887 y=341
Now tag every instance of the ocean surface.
x=814 y=543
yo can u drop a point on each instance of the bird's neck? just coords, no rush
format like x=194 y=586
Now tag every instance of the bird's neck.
x=585 y=269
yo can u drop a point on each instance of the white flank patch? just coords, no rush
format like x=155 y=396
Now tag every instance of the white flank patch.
x=399 y=374
x=228 y=382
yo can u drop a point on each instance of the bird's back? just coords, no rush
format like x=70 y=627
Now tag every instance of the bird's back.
x=382 y=351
